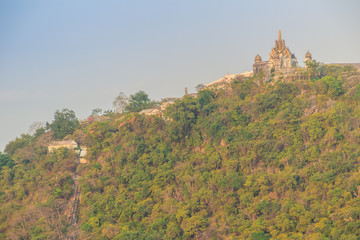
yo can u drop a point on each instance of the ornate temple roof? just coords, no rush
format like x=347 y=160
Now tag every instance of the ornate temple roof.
x=280 y=49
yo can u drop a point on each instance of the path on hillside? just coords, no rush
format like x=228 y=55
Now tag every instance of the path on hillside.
x=71 y=235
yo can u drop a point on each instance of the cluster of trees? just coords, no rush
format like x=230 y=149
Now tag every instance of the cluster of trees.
x=65 y=122
x=135 y=103
x=252 y=161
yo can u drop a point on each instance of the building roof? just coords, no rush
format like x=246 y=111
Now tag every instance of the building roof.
x=83 y=152
x=61 y=143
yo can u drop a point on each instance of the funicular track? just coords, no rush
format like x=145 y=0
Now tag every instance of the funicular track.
x=71 y=235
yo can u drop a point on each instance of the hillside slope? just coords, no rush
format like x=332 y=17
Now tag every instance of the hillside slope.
x=254 y=160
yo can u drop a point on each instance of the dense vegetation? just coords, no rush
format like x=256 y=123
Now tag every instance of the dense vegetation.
x=253 y=160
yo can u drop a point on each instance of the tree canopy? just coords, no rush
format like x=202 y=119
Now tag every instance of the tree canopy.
x=6 y=161
x=139 y=101
x=64 y=123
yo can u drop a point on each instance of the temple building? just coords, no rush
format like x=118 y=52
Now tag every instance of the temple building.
x=281 y=59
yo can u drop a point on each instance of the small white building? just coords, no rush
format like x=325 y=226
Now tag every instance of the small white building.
x=69 y=144
x=82 y=153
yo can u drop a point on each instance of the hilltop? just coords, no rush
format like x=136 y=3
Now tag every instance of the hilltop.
x=356 y=65
x=253 y=159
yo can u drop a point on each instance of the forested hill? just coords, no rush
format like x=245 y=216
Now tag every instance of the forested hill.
x=254 y=160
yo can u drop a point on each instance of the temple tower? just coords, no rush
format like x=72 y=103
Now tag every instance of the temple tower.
x=280 y=57
x=308 y=56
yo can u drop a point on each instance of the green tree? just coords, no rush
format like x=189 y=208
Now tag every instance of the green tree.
x=184 y=115
x=96 y=112
x=315 y=69
x=140 y=101
x=64 y=123
x=200 y=87
x=356 y=94
x=335 y=88
x=205 y=97
x=20 y=142
x=5 y=160
x=259 y=236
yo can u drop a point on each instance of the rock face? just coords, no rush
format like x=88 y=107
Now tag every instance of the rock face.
x=228 y=78
x=151 y=111
x=281 y=59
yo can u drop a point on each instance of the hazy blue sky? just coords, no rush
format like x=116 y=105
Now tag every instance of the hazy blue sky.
x=81 y=54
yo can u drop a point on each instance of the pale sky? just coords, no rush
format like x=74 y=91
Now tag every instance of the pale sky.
x=81 y=54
